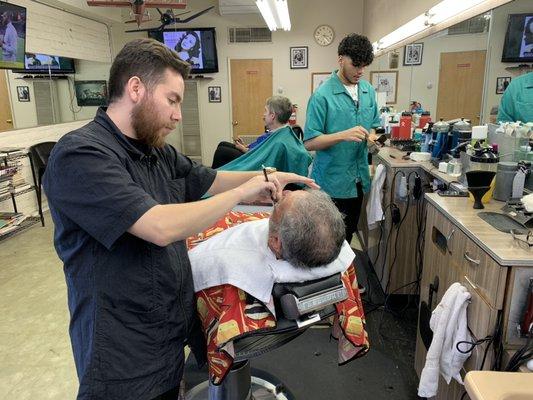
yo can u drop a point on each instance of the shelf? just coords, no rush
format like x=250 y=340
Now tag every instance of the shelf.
x=522 y=67
x=8 y=195
x=24 y=225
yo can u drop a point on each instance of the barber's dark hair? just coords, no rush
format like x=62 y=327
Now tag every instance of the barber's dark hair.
x=358 y=48
x=281 y=106
x=146 y=58
x=311 y=230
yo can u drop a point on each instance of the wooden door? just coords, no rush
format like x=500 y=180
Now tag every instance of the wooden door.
x=6 y=119
x=461 y=77
x=251 y=85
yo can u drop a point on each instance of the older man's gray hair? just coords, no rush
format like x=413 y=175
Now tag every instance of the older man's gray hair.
x=281 y=106
x=311 y=230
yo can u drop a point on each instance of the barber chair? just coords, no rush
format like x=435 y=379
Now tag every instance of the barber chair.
x=39 y=154
x=298 y=306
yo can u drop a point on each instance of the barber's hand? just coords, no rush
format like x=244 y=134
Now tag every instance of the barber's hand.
x=284 y=178
x=355 y=134
x=258 y=189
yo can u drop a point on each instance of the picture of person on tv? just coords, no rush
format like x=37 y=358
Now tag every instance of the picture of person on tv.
x=526 y=49
x=10 y=39
x=32 y=60
x=189 y=49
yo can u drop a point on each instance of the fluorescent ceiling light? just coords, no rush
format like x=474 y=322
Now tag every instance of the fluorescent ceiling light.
x=447 y=9
x=439 y=14
x=275 y=13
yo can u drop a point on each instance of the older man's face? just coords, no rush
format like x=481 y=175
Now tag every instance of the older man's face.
x=285 y=203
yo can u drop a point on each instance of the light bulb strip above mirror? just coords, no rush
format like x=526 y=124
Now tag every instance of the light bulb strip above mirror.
x=439 y=17
x=275 y=13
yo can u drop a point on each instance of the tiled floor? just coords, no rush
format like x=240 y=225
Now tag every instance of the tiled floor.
x=35 y=354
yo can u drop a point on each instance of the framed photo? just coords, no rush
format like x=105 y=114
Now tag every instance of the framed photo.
x=23 y=93
x=385 y=82
x=215 y=94
x=299 y=57
x=394 y=58
x=317 y=78
x=412 y=54
x=501 y=84
x=91 y=93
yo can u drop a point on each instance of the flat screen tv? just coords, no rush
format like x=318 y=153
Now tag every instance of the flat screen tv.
x=12 y=35
x=197 y=46
x=46 y=64
x=518 y=45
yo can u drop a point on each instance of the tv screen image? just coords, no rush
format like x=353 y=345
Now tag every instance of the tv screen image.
x=518 y=45
x=43 y=64
x=12 y=35
x=91 y=93
x=197 y=46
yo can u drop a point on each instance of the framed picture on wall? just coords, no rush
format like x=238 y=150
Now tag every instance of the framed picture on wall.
x=501 y=84
x=299 y=57
x=215 y=94
x=317 y=78
x=23 y=93
x=385 y=82
x=412 y=54
x=91 y=93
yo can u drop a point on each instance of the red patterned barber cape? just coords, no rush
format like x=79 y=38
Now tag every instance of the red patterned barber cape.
x=227 y=312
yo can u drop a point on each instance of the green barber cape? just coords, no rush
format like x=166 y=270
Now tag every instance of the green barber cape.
x=282 y=150
x=517 y=100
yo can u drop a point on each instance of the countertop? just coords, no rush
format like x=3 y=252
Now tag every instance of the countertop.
x=499 y=245
x=393 y=158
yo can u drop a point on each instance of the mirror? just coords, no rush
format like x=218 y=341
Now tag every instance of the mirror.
x=458 y=72
x=48 y=99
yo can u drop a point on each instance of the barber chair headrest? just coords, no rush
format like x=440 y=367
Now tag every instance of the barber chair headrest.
x=296 y=300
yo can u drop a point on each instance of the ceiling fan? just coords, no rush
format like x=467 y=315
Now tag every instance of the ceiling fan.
x=169 y=18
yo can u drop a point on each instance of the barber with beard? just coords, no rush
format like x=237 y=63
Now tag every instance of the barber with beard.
x=123 y=202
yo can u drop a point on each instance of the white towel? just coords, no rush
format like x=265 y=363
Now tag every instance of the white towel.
x=450 y=326
x=240 y=256
x=374 y=212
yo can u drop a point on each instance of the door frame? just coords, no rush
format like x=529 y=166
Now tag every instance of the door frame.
x=10 y=98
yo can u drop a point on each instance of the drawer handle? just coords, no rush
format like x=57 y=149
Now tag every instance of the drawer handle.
x=470 y=259
x=448 y=238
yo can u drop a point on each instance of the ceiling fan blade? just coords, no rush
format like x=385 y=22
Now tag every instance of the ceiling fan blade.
x=182 y=21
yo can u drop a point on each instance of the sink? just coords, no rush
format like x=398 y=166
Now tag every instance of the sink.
x=493 y=385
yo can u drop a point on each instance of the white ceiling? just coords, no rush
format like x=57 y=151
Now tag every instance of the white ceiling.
x=237 y=7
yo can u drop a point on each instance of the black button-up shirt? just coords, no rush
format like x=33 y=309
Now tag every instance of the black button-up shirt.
x=131 y=302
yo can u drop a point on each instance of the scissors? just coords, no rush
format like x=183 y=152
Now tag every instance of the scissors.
x=266 y=171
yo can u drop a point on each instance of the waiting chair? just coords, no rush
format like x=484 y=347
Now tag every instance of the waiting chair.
x=39 y=154
x=298 y=306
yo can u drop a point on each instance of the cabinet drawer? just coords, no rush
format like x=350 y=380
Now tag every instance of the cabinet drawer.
x=487 y=276
x=482 y=319
x=441 y=232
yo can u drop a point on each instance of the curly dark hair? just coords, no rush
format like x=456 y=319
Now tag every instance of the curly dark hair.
x=195 y=50
x=358 y=48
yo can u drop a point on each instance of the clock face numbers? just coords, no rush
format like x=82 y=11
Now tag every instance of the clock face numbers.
x=324 y=35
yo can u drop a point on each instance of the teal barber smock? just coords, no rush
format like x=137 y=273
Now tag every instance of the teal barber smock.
x=331 y=109
x=282 y=150
x=517 y=100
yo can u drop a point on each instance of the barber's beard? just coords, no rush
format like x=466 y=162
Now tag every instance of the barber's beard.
x=147 y=124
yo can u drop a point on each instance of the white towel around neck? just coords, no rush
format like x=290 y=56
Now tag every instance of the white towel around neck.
x=240 y=256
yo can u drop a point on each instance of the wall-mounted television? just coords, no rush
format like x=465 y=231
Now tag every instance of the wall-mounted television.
x=45 y=64
x=518 y=45
x=197 y=46
x=13 y=34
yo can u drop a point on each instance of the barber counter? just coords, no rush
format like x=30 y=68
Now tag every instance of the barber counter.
x=454 y=245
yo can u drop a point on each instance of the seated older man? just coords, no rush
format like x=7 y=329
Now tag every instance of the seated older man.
x=302 y=240
x=280 y=147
